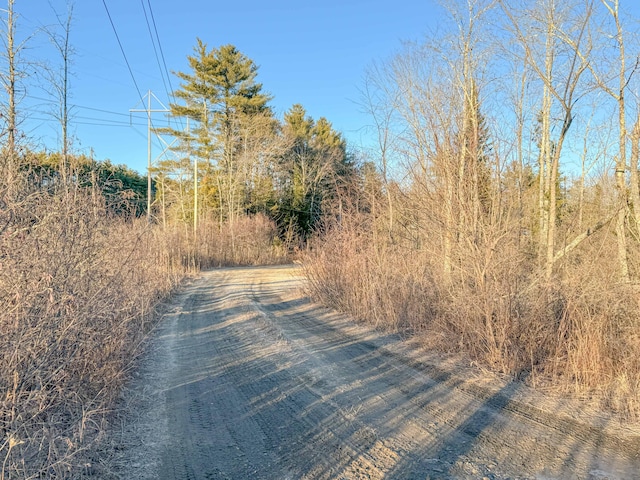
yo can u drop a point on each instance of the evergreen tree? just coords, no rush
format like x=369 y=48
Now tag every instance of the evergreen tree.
x=220 y=95
x=314 y=168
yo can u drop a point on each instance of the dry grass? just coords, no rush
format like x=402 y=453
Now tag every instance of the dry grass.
x=79 y=290
x=249 y=241
x=578 y=335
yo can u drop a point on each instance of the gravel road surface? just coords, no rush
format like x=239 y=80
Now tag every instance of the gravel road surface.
x=245 y=378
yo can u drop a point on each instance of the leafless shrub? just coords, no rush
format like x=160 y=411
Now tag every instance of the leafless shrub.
x=578 y=335
x=375 y=284
x=78 y=289
x=600 y=352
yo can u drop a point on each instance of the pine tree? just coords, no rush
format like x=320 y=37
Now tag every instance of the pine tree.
x=220 y=95
x=312 y=170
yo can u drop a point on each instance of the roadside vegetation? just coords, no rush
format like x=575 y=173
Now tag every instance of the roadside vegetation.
x=503 y=220
x=498 y=216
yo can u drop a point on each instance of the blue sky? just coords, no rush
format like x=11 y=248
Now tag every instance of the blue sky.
x=313 y=53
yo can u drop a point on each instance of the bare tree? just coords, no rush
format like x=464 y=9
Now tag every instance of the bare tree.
x=379 y=98
x=9 y=80
x=59 y=80
x=560 y=68
x=618 y=93
x=633 y=177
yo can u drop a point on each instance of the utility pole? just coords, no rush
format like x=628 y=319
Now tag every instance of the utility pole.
x=148 y=110
x=195 y=187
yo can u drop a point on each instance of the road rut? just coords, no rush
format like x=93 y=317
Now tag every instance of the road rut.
x=245 y=377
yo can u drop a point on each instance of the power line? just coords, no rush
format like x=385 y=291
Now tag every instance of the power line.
x=100 y=124
x=111 y=122
x=155 y=50
x=164 y=62
x=84 y=107
x=126 y=60
x=97 y=123
x=101 y=110
x=36 y=109
x=121 y=125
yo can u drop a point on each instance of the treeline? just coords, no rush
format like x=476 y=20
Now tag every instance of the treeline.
x=124 y=189
x=504 y=215
x=84 y=264
x=234 y=158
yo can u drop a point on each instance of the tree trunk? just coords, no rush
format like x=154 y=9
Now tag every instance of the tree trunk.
x=621 y=163
x=633 y=167
x=11 y=114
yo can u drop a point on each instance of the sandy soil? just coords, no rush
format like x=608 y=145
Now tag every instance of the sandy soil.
x=246 y=378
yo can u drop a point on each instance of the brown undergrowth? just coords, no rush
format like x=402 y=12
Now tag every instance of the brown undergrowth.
x=249 y=240
x=79 y=291
x=578 y=334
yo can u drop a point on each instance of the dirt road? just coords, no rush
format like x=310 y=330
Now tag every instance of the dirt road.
x=246 y=378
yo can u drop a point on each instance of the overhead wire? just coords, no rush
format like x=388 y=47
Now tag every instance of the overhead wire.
x=164 y=62
x=126 y=60
x=111 y=122
x=94 y=121
x=155 y=50
x=98 y=122
x=104 y=121
x=148 y=116
x=84 y=107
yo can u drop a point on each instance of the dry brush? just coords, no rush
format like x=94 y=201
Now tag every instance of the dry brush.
x=80 y=288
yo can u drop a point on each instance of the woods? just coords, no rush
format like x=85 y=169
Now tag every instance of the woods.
x=507 y=231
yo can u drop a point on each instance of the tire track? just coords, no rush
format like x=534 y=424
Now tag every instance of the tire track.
x=249 y=379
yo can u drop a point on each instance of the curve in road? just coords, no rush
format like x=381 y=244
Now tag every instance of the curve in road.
x=247 y=378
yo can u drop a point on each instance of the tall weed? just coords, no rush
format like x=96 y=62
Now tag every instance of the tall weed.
x=79 y=291
x=578 y=334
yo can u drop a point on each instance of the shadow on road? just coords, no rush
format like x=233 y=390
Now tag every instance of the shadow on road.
x=265 y=384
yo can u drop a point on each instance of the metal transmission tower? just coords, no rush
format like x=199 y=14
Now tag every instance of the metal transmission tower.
x=148 y=110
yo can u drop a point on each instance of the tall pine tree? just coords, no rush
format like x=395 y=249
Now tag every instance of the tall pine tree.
x=220 y=95
x=314 y=167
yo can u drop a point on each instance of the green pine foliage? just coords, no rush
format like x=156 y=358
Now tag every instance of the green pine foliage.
x=124 y=189
x=250 y=162
x=315 y=166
